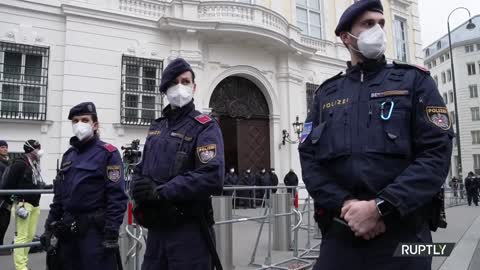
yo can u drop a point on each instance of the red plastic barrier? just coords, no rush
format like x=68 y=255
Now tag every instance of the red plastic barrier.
x=130 y=213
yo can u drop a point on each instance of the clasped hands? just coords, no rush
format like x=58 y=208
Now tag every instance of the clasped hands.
x=363 y=218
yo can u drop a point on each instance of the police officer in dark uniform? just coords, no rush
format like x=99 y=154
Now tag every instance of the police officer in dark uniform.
x=231 y=179
x=375 y=151
x=246 y=200
x=471 y=188
x=182 y=166
x=89 y=198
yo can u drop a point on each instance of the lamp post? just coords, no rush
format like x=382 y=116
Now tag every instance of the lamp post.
x=470 y=26
x=298 y=127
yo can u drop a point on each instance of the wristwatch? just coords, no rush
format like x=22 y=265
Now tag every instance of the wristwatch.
x=384 y=208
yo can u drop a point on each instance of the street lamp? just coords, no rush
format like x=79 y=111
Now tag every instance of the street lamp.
x=470 y=26
x=298 y=127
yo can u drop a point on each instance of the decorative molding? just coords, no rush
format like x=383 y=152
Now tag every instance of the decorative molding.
x=146 y=8
x=24 y=34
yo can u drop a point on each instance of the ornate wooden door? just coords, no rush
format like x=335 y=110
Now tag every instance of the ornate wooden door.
x=244 y=118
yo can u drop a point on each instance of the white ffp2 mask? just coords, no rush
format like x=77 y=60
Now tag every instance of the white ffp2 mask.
x=372 y=42
x=82 y=130
x=179 y=95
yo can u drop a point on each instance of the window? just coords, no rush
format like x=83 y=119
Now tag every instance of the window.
x=475 y=113
x=445 y=99
x=23 y=81
x=439 y=45
x=473 y=91
x=427 y=52
x=141 y=99
x=436 y=79
x=429 y=65
x=450 y=95
x=444 y=78
x=434 y=63
x=478 y=47
x=476 y=164
x=401 y=39
x=452 y=117
x=475 y=136
x=449 y=75
x=308 y=17
x=469 y=48
x=471 y=69
x=442 y=59
x=311 y=88
x=447 y=56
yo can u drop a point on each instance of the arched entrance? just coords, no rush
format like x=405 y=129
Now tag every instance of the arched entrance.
x=243 y=113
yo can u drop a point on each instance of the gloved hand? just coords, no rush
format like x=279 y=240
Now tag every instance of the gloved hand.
x=144 y=189
x=110 y=240
x=45 y=239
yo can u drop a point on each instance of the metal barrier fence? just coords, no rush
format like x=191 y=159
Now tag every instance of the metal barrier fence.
x=278 y=212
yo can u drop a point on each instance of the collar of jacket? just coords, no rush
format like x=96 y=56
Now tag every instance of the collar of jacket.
x=173 y=115
x=82 y=145
x=369 y=68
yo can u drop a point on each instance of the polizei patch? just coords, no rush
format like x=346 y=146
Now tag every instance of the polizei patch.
x=113 y=173
x=439 y=117
x=207 y=152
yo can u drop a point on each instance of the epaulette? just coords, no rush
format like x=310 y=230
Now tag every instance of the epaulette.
x=339 y=75
x=408 y=66
x=110 y=148
x=203 y=119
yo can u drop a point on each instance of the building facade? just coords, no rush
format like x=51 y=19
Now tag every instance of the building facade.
x=466 y=60
x=257 y=63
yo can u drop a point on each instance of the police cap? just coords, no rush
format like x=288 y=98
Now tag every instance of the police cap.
x=85 y=108
x=172 y=71
x=354 y=11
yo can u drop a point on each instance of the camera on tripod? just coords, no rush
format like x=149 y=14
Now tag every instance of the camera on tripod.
x=132 y=154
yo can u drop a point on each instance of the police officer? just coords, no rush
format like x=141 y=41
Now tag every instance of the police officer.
x=182 y=166
x=89 y=198
x=246 y=196
x=375 y=152
x=471 y=188
x=231 y=179
x=262 y=179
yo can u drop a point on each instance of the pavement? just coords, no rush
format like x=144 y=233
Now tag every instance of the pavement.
x=463 y=229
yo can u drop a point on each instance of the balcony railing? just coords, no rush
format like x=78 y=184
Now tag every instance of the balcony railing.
x=226 y=12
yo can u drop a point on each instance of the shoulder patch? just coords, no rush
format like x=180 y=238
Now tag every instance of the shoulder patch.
x=438 y=116
x=203 y=119
x=110 y=148
x=408 y=66
x=206 y=153
x=307 y=128
x=114 y=173
x=339 y=75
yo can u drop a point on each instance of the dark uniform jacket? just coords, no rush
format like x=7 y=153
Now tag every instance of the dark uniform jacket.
x=231 y=179
x=381 y=130
x=91 y=180
x=183 y=154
